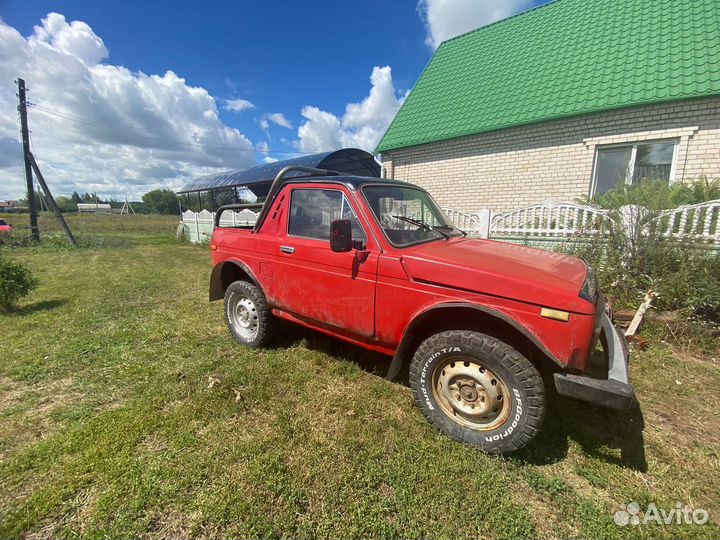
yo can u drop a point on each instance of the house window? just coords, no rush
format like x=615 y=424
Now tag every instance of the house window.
x=633 y=163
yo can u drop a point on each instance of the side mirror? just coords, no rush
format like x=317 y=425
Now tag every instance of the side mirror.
x=341 y=235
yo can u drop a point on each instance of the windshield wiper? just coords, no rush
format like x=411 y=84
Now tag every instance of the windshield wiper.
x=422 y=225
x=448 y=226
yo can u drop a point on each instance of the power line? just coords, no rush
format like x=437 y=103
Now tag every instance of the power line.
x=72 y=118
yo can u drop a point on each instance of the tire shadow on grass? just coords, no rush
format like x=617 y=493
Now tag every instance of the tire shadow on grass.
x=605 y=434
x=290 y=335
x=600 y=432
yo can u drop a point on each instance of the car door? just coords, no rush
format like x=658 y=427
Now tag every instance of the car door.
x=314 y=283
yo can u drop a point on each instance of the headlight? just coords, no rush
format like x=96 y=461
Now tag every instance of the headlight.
x=589 y=290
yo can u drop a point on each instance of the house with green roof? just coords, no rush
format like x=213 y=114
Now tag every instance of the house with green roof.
x=564 y=101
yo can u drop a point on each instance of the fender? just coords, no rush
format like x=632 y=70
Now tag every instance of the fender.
x=217 y=288
x=407 y=337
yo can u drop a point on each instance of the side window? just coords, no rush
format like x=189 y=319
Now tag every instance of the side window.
x=312 y=211
x=633 y=163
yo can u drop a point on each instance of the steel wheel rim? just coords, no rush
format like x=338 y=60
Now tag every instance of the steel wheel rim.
x=244 y=317
x=471 y=394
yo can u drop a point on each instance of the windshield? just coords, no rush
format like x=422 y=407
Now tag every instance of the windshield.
x=3 y=222
x=408 y=215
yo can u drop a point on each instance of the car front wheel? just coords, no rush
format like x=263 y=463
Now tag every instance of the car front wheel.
x=478 y=390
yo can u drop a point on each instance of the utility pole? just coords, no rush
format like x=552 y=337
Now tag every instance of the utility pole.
x=126 y=208
x=51 y=200
x=43 y=204
x=22 y=109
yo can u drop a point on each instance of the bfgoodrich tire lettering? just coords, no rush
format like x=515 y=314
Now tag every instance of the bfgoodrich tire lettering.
x=478 y=390
x=247 y=315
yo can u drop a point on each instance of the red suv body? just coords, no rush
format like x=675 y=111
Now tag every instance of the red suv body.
x=377 y=263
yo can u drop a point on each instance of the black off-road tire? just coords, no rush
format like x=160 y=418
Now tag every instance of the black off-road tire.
x=441 y=378
x=244 y=298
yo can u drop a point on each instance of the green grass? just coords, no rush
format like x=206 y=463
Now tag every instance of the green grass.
x=127 y=410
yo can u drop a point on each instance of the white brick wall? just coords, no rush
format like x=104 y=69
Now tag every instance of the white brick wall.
x=553 y=160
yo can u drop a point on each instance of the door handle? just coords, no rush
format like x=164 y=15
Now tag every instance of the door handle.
x=287 y=249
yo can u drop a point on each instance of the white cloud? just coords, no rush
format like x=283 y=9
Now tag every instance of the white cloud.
x=321 y=131
x=75 y=39
x=102 y=127
x=238 y=105
x=362 y=125
x=280 y=120
x=449 y=18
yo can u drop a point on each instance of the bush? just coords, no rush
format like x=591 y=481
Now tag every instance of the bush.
x=658 y=194
x=684 y=274
x=16 y=281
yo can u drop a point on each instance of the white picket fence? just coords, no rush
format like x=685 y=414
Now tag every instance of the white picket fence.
x=198 y=226
x=555 y=221
x=695 y=221
x=540 y=222
x=549 y=220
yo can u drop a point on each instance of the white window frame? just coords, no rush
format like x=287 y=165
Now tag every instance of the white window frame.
x=631 y=163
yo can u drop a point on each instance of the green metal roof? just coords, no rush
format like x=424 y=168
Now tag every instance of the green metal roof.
x=565 y=58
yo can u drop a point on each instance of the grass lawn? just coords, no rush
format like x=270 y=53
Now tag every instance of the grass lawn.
x=127 y=410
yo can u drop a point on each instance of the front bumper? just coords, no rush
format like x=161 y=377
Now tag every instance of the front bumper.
x=615 y=392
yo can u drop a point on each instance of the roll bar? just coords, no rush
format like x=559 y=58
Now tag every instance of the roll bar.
x=243 y=206
x=277 y=184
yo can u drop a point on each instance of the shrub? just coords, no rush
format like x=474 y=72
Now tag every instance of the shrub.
x=16 y=281
x=633 y=258
x=658 y=194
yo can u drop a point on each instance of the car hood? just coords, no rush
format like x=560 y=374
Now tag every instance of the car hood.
x=502 y=269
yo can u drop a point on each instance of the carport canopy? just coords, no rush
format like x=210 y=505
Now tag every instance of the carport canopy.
x=251 y=185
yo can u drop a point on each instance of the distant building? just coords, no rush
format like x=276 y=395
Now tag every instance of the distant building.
x=564 y=101
x=94 y=208
x=11 y=206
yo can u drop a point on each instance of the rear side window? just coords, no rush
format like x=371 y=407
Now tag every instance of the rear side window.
x=312 y=211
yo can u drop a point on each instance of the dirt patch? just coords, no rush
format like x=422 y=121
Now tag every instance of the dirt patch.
x=546 y=516
x=174 y=524
x=11 y=393
x=152 y=444
x=27 y=410
x=242 y=427
x=688 y=427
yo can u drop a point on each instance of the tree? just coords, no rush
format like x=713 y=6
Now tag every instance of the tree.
x=66 y=204
x=91 y=198
x=161 y=201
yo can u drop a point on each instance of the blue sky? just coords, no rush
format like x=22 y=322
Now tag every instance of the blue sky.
x=279 y=57
x=300 y=64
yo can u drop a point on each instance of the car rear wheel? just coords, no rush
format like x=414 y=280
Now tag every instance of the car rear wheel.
x=247 y=315
x=478 y=390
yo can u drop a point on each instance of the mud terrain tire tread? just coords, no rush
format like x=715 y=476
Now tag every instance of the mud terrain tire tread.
x=508 y=363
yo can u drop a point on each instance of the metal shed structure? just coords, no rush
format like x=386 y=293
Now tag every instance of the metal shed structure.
x=251 y=185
